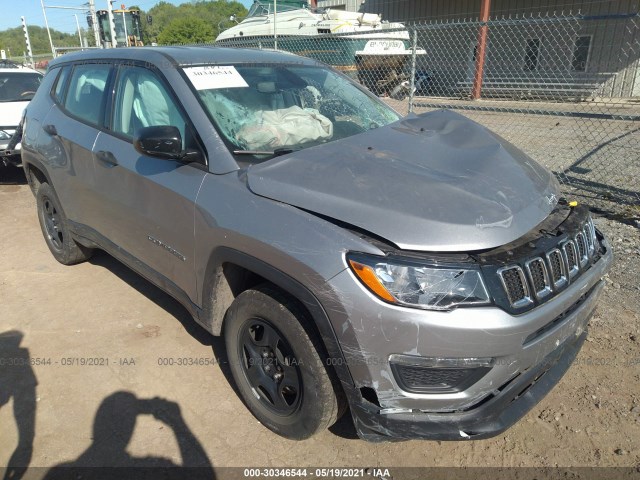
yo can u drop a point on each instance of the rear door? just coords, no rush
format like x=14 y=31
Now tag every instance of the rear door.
x=147 y=204
x=72 y=126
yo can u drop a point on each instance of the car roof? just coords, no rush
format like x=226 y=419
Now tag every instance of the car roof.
x=185 y=55
x=19 y=69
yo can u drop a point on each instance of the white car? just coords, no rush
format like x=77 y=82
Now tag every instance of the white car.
x=18 y=85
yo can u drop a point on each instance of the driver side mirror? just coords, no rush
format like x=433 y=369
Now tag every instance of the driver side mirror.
x=163 y=142
x=159 y=141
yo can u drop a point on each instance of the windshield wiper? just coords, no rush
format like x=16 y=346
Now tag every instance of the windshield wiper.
x=277 y=152
x=252 y=152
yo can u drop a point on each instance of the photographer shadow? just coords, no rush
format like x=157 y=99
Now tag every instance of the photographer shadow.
x=113 y=428
x=18 y=381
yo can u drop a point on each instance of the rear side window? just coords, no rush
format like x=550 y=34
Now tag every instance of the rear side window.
x=58 y=91
x=85 y=96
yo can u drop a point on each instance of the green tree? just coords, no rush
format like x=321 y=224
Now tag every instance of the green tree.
x=189 y=29
x=12 y=40
x=213 y=12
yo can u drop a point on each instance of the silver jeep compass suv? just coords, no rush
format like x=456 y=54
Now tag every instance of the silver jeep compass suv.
x=421 y=270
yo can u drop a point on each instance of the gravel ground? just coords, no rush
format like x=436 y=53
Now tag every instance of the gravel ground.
x=100 y=309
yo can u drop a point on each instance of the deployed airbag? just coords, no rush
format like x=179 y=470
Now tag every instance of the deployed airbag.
x=284 y=127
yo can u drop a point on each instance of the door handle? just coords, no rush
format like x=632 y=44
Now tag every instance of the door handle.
x=107 y=157
x=50 y=130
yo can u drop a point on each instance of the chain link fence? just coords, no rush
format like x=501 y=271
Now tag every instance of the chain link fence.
x=563 y=88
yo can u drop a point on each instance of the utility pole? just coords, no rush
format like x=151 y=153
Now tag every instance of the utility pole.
x=79 y=32
x=481 y=52
x=94 y=22
x=275 y=24
x=27 y=40
x=112 y=25
x=46 y=24
x=126 y=34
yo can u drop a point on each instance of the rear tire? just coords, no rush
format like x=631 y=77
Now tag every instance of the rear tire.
x=277 y=361
x=55 y=228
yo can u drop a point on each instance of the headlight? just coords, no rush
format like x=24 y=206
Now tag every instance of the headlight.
x=422 y=286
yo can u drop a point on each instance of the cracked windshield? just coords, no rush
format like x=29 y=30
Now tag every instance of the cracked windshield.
x=272 y=110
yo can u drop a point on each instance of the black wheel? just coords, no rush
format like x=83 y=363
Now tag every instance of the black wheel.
x=278 y=364
x=56 y=230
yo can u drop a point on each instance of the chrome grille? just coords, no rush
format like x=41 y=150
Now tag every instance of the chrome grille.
x=557 y=268
x=515 y=285
x=539 y=277
x=590 y=233
x=571 y=256
x=581 y=244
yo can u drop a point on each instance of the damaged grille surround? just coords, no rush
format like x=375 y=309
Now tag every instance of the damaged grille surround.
x=529 y=271
x=531 y=278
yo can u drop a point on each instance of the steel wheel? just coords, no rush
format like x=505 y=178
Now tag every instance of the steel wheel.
x=277 y=362
x=55 y=228
x=270 y=367
x=52 y=223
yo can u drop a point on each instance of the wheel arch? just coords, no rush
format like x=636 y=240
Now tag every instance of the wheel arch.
x=36 y=175
x=229 y=272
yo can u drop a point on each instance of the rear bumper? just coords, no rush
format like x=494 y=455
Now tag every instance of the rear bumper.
x=10 y=149
x=10 y=158
x=493 y=416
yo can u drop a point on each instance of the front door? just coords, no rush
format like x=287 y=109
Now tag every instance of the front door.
x=148 y=203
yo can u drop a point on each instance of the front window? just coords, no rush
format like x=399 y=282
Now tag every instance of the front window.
x=264 y=110
x=143 y=101
x=258 y=10
x=18 y=87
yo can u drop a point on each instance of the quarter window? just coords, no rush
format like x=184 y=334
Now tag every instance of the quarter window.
x=85 y=97
x=143 y=101
x=58 y=92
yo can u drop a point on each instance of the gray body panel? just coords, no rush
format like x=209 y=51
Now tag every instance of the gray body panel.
x=69 y=157
x=146 y=207
x=439 y=182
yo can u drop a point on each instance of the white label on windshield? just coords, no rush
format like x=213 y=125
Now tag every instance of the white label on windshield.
x=214 y=76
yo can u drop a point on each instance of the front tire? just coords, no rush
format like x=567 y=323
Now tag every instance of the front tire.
x=277 y=361
x=55 y=228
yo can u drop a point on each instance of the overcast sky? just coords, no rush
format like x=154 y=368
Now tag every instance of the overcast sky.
x=63 y=20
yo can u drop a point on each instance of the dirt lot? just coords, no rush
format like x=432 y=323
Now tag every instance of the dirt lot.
x=100 y=310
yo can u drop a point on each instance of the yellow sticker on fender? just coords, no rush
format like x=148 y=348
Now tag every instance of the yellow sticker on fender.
x=215 y=76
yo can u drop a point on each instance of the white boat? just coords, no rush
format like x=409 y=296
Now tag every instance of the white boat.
x=360 y=44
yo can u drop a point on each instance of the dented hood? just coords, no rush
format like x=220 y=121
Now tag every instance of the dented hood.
x=434 y=182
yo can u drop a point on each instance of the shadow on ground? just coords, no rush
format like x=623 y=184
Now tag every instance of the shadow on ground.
x=343 y=428
x=153 y=293
x=113 y=428
x=18 y=382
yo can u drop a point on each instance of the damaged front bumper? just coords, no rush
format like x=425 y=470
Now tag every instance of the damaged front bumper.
x=530 y=354
x=490 y=418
